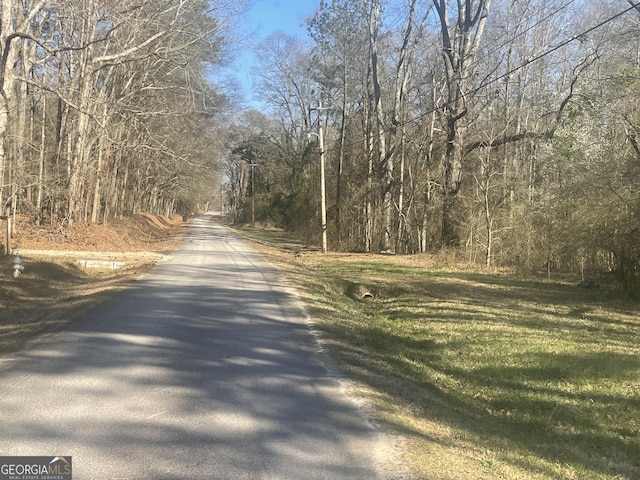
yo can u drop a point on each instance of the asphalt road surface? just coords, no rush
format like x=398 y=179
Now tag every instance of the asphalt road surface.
x=205 y=369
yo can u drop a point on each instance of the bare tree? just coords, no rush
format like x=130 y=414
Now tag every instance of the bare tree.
x=16 y=22
x=339 y=62
x=89 y=92
x=462 y=26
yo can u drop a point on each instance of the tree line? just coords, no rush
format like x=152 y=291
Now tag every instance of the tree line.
x=504 y=132
x=106 y=106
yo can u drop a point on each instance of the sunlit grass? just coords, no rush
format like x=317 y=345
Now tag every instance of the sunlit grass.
x=488 y=376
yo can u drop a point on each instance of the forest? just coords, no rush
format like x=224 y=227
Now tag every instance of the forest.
x=503 y=133
x=106 y=107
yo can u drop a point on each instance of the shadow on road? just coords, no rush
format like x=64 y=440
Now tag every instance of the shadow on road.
x=205 y=369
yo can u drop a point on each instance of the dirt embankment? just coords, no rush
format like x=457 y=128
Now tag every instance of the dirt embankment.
x=68 y=270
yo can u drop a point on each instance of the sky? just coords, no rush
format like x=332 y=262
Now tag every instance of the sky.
x=285 y=15
x=265 y=17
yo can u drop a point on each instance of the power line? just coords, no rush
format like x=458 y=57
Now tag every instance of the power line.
x=507 y=41
x=555 y=48
x=535 y=58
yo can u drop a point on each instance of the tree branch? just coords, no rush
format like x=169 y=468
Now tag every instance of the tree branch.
x=506 y=139
x=635 y=145
x=635 y=5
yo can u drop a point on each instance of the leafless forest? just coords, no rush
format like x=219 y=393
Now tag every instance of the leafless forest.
x=106 y=108
x=506 y=132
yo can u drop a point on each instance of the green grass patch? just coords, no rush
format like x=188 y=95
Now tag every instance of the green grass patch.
x=488 y=376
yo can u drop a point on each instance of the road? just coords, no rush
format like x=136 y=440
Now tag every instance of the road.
x=205 y=369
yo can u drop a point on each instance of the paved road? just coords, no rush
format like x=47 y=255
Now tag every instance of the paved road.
x=205 y=369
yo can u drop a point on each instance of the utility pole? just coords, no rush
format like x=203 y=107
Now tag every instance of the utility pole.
x=323 y=190
x=253 y=193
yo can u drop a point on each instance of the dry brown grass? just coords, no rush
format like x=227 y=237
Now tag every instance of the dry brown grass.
x=53 y=289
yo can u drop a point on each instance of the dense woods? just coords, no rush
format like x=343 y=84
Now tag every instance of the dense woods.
x=503 y=132
x=106 y=109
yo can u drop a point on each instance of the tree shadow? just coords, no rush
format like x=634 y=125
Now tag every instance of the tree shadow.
x=205 y=369
x=557 y=403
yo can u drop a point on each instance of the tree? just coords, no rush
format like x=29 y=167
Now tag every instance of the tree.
x=15 y=27
x=338 y=30
x=461 y=27
x=294 y=99
x=115 y=96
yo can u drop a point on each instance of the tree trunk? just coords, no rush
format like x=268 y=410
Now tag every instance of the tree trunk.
x=340 y=169
x=384 y=158
x=401 y=214
x=369 y=149
x=41 y=160
x=460 y=43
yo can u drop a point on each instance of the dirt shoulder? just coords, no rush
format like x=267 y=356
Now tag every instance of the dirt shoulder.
x=67 y=271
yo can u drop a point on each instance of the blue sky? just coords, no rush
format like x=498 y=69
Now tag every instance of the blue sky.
x=285 y=15
x=265 y=17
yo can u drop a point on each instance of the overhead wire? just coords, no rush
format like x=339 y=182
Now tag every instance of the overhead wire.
x=534 y=59
x=540 y=21
x=559 y=46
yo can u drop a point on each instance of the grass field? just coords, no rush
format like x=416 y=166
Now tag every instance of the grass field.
x=488 y=376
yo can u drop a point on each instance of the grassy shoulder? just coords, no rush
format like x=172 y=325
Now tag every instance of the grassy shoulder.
x=486 y=375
